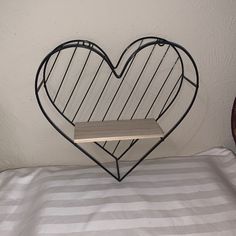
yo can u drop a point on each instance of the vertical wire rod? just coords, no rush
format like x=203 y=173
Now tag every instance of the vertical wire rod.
x=52 y=66
x=104 y=149
x=40 y=85
x=126 y=102
x=150 y=82
x=119 y=87
x=153 y=76
x=141 y=159
x=88 y=89
x=100 y=96
x=149 y=85
x=161 y=112
x=81 y=72
x=172 y=68
x=64 y=76
x=138 y=79
x=134 y=141
x=118 y=169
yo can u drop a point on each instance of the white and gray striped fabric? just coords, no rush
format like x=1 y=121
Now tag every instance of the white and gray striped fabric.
x=170 y=196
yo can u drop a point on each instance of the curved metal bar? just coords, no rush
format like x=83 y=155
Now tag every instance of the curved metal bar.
x=180 y=86
x=48 y=94
x=161 y=113
x=179 y=121
x=58 y=130
x=96 y=49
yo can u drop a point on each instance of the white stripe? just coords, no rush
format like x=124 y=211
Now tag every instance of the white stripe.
x=84 y=182
x=169 y=204
x=67 y=172
x=133 y=206
x=131 y=179
x=14 y=194
x=7 y=225
x=229 y=232
x=127 y=192
x=136 y=223
x=167 y=166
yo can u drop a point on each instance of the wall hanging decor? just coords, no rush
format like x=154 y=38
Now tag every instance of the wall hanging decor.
x=121 y=111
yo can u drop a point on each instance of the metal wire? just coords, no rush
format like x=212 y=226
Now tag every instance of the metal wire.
x=73 y=90
x=64 y=76
x=42 y=79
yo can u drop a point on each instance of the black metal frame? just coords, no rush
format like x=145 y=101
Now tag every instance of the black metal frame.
x=233 y=120
x=142 y=43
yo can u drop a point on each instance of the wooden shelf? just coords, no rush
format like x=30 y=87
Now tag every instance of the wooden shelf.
x=97 y=131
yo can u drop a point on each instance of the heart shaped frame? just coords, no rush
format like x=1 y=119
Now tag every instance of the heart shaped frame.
x=54 y=79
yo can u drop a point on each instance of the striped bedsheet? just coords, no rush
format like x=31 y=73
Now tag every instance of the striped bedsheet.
x=169 y=196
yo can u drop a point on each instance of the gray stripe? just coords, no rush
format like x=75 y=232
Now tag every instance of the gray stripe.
x=136 y=214
x=177 y=159
x=104 y=175
x=122 y=185
x=78 y=177
x=90 y=194
x=45 y=189
x=115 y=215
x=144 y=184
x=120 y=199
x=228 y=226
x=95 y=170
x=54 y=169
x=135 y=198
x=21 y=172
x=40 y=203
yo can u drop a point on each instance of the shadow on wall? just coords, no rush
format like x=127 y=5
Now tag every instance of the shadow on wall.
x=10 y=151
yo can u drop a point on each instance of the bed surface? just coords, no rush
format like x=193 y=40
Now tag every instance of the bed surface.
x=170 y=196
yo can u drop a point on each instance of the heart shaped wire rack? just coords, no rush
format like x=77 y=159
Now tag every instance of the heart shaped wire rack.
x=153 y=78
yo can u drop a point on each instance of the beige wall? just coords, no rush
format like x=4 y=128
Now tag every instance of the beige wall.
x=29 y=29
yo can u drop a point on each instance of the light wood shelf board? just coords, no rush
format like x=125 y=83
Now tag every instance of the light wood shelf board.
x=98 y=131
